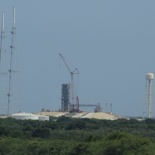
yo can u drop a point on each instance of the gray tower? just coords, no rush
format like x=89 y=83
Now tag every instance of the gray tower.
x=65 y=97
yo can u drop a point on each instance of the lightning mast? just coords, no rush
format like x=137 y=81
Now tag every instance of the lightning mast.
x=75 y=71
x=11 y=61
x=2 y=38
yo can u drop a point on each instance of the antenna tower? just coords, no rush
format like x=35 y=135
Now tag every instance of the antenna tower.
x=3 y=67
x=2 y=38
x=13 y=32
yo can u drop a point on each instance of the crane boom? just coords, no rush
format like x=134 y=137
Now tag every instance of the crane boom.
x=72 y=80
x=65 y=63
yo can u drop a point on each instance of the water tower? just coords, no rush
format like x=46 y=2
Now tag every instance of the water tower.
x=149 y=78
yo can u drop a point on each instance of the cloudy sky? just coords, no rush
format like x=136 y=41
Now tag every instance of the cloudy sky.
x=112 y=43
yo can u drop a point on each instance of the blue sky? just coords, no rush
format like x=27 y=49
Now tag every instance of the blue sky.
x=112 y=43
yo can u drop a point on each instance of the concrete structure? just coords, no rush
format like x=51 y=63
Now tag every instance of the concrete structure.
x=98 y=115
x=24 y=116
x=53 y=114
x=29 y=116
x=43 y=118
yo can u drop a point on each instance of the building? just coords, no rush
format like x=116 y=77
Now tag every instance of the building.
x=29 y=116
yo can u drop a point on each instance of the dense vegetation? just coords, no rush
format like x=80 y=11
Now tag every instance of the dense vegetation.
x=67 y=136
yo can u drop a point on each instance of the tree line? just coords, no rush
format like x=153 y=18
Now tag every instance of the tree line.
x=72 y=136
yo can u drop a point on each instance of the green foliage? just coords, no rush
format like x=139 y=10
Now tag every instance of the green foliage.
x=68 y=136
x=119 y=143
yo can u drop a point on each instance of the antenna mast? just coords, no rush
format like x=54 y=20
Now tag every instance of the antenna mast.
x=11 y=61
x=2 y=37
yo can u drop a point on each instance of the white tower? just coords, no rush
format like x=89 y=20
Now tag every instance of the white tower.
x=149 y=78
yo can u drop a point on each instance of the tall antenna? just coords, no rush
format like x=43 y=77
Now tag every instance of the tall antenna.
x=14 y=13
x=3 y=68
x=11 y=61
x=2 y=38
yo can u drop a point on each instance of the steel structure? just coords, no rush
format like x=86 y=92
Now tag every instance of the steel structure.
x=75 y=71
x=3 y=65
x=11 y=61
x=65 y=96
x=97 y=106
x=2 y=38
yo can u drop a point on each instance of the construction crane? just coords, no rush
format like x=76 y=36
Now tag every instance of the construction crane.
x=75 y=71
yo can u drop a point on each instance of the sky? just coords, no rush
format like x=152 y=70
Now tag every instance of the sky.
x=112 y=43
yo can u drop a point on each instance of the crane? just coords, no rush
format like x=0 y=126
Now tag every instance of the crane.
x=75 y=71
